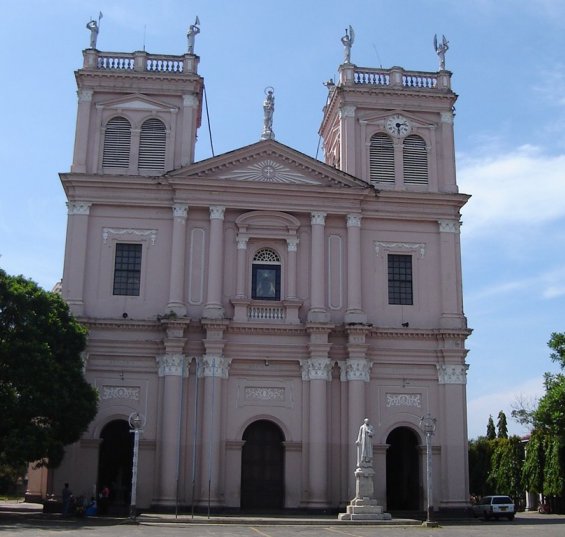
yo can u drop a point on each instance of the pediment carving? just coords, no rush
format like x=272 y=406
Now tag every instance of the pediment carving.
x=268 y=171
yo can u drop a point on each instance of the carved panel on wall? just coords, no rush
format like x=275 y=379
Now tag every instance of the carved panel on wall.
x=268 y=171
x=120 y=392
x=258 y=393
x=403 y=400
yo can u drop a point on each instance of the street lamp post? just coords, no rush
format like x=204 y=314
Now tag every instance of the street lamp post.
x=136 y=423
x=428 y=425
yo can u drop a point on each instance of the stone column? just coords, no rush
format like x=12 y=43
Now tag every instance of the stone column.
x=292 y=245
x=82 y=131
x=214 y=308
x=452 y=423
x=213 y=367
x=354 y=313
x=178 y=256
x=75 y=255
x=173 y=368
x=348 y=155
x=450 y=275
x=241 y=272
x=188 y=128
x=357 y=371
x=317 y=370
x=318 y=311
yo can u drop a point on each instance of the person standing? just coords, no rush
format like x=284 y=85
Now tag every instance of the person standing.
x=66 y=496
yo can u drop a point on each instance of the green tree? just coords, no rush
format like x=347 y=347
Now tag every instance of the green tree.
x=534 y=462
x=502 y=425
x=45 y=401
x=557 y=344
x=505 y=475
x=480 y=454
x=491 y=431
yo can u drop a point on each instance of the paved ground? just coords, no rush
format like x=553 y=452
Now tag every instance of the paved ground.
x=22 y=521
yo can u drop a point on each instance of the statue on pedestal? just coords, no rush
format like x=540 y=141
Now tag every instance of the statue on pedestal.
x=441 y=49
x=94 y=27
x=193 y=31
x=364 y=445
x=347 y=41
x=268 y=111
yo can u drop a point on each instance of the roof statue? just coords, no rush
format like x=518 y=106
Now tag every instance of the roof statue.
x=193 y=31
x=268 y=111
x=347 y=41
x=441 y=49
x=94 y=27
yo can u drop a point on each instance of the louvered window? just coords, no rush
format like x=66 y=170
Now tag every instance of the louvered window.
x=381 y=155
x=117 y=140
x=266 y=275
x=415 y=159
x=152 y=145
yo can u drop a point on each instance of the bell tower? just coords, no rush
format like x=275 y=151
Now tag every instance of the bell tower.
x=138 y=113
x=392 y=127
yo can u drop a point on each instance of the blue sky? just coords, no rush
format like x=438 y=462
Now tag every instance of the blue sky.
x=508 y=64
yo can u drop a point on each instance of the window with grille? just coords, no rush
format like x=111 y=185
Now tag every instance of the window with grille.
x=381 y=159
x=400 y=279
x=152 y=145
x=117 y=139
x=415 y=160
x=127 y=269
x=266 y=275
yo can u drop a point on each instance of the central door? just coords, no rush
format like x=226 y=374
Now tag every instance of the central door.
x=403 y=487
x=262 y=467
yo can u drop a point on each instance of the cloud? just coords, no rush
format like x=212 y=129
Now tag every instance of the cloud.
x=521 y=187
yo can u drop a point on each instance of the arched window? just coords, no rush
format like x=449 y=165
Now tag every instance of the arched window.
x=266 y=275
x=117 y=139
x=381 y=159
x=415 y=159
x=152 y=145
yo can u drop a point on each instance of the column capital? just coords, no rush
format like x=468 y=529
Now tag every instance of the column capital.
x=316 y=369
x=347 y=110
x=449 y=226
x=173 y=365
x=211 y=365
x=292 y=244
x=78 y=207
x=358 y=369
x=318 y=218
x=242 y=243
x=180 y=211
x=452 y=374
x=353 y=220
x=190 y=100
x=84 y=95
x=217 y=212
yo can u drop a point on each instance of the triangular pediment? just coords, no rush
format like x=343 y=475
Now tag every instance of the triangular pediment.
x=137 y=102
x=269 y=162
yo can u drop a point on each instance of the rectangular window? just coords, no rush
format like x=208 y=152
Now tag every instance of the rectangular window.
x=400 y=279
x=266 y=282
x=127 y=269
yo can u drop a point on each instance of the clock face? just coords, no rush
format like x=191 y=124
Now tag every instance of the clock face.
x=398 y=125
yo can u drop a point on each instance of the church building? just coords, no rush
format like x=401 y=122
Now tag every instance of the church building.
x=255 y=307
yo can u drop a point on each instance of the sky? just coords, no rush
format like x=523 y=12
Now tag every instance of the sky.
x=508 y=64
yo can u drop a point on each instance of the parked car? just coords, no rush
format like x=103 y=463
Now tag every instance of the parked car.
x=495 y=507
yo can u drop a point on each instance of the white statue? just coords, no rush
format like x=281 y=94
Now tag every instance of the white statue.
x=347 y=41
x=365 y=445
x=94 y=27
x=268 y=111
x=441 y=49
x=193 y=31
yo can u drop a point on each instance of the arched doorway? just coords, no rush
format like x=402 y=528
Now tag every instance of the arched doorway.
x=262 y=467
x=403 y=487
x=115 y=463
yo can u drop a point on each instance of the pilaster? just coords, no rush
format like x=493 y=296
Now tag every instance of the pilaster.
x=178 y=255
x=214 y=308
x=318 y=311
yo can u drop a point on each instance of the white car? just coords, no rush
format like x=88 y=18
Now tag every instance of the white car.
x=495 y=507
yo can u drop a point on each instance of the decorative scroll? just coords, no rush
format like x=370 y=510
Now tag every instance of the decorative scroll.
x=120 y=232
x=404 y=399
x=264 y=394
x=120 y=392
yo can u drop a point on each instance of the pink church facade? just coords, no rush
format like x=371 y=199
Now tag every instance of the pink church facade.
x=256 y=306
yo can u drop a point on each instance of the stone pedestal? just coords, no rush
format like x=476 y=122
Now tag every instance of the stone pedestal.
x=364 y=506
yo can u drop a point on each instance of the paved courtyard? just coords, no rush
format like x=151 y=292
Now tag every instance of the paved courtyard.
x=525 y=525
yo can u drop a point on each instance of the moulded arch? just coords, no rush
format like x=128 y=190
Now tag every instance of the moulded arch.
x=267 y=224
x=264 y=417
x=414 y=427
